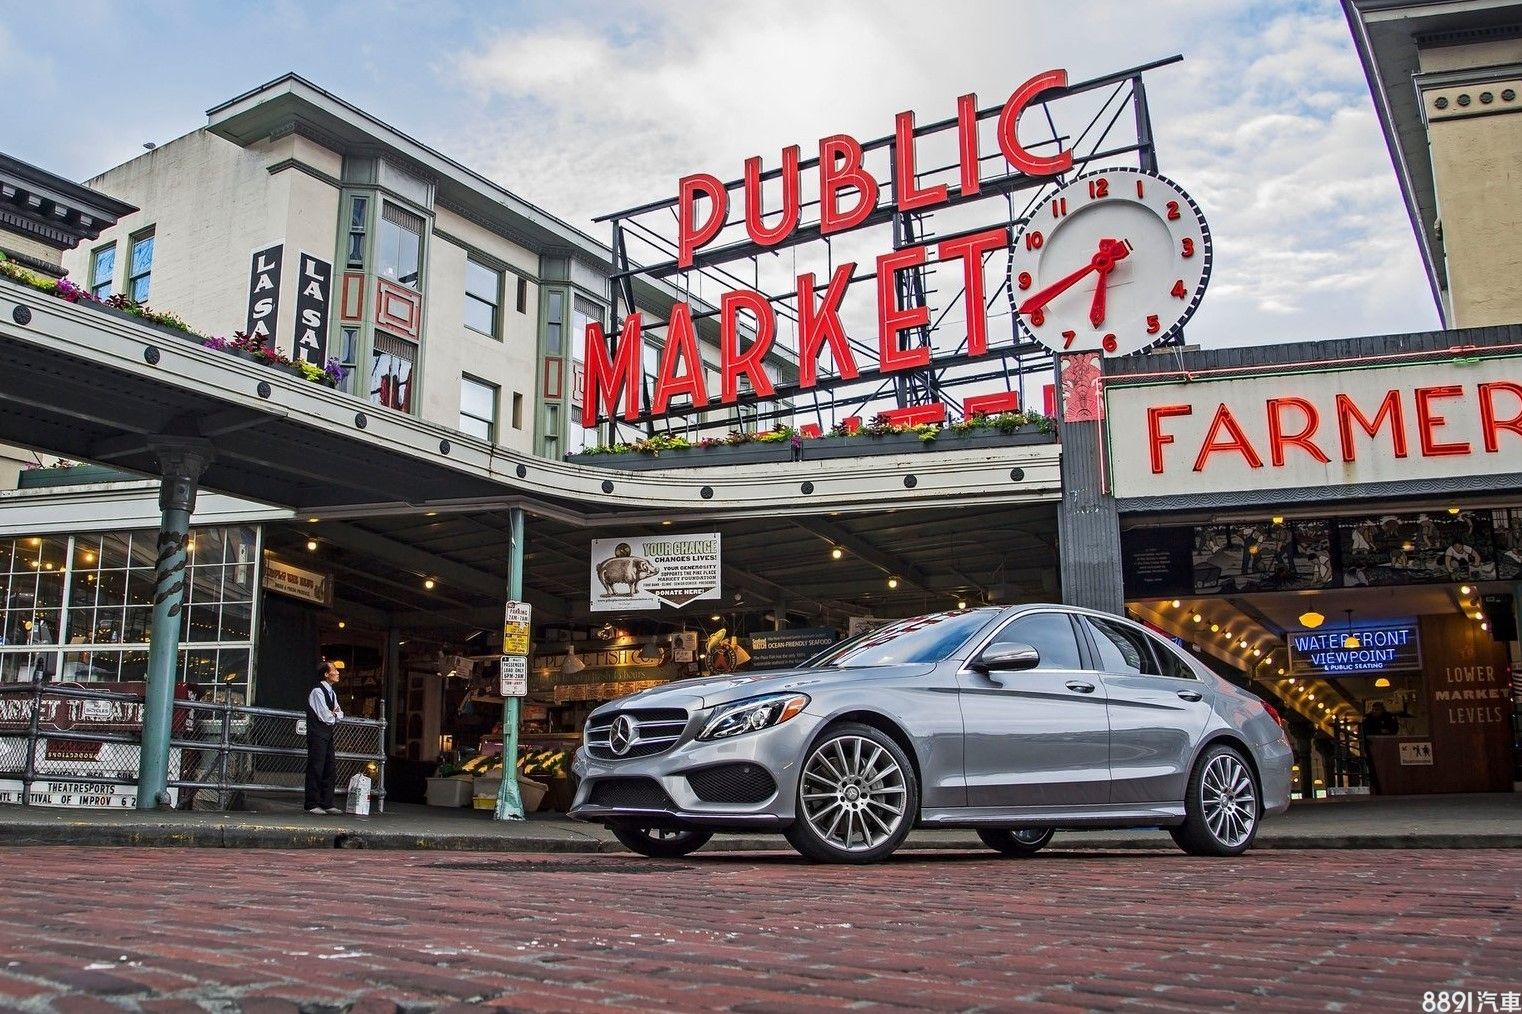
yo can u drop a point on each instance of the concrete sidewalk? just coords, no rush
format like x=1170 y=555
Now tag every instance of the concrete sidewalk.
x=1401 y=822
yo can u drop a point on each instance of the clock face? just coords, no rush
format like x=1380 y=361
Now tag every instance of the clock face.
x=1115 y=262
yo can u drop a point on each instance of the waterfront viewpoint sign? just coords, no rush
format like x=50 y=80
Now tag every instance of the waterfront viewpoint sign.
x=848 y=196
x=1342 y=427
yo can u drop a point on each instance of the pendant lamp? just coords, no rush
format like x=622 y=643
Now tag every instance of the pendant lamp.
x=1351 y=642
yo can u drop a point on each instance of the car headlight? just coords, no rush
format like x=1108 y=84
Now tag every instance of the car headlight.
x=756 y=713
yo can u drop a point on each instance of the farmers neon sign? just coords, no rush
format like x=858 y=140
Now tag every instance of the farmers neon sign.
x=848 y=196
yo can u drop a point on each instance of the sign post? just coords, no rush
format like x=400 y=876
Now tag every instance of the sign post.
x=515 y=638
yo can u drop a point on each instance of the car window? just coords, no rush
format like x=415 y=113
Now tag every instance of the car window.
x=921 y=639
x=1121 y=649
x=1169 y=662
x=1051 y=634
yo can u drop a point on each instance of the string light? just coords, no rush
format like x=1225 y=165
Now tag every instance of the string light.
x=428 y=583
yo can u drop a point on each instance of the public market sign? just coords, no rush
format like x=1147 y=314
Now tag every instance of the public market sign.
x=644 y=572
x=848 y=197
x=1343 y=427
x=1385 y=647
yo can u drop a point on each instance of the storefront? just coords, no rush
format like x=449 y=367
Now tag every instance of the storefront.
x=1339 y=524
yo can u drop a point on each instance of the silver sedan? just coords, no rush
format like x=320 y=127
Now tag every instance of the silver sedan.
x=1013 y=722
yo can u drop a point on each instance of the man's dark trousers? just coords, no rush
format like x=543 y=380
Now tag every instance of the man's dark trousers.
x=322 y=767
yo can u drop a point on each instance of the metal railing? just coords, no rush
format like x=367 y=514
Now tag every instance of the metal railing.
x=75 y=745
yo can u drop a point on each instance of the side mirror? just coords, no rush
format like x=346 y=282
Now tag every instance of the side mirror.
x=1008 y=658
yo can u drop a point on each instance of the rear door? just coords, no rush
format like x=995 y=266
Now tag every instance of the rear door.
x=1038 y=737
x=1158 y=710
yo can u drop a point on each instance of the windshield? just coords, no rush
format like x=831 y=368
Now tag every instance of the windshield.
x=918 y=639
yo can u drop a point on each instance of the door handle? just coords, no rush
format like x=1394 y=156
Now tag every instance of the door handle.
x=1189 y=695
x=1080 y=688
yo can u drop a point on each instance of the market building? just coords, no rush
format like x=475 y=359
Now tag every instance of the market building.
x=369 y=520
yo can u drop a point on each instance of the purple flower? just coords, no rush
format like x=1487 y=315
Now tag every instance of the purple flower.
x=335 y=369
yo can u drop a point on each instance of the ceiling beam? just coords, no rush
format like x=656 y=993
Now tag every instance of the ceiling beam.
x=889 y=563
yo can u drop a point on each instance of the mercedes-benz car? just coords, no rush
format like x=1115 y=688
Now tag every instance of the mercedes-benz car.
x=1012 y=721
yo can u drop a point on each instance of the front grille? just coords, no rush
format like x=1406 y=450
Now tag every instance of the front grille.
x=630 y=794
x=732 y=783
x=656 y=730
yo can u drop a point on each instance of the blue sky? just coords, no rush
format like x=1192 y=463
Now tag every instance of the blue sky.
x=586 y=107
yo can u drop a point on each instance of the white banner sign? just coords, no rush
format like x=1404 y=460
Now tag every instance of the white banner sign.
x=60 y=760
x=644 y=571
x=1316 y=430
x=298 y=582
x=514 y=681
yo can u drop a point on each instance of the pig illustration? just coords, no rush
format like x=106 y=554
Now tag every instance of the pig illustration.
x=626 y=570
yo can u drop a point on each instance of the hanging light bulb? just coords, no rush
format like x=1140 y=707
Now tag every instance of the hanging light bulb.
x=572 y=664
x=1382 y=683
x=1351 y=642
x=892 y=582
x=836 y=553
x=1311 y=619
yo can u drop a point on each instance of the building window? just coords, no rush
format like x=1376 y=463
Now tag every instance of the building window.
x=478 y=408
x=359 y=210
x=584 y=311
x=517 y=411
x=483 y=295
x=140 y=268
x=102 y=271
x=348 y=353
x=399 y=245
x=552 y=431
x=391 y=368
x=554 y=319
x=523 y=295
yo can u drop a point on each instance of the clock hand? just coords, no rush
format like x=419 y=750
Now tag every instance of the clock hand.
x=1110 y=250
x=1105 y=263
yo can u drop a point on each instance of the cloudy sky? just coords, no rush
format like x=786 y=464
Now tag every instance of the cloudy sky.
x=587 y=107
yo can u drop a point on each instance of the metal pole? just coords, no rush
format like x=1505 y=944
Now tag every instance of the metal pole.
x=182 y=462
x=509 y=802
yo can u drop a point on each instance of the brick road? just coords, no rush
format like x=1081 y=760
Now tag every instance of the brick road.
x=164 y=930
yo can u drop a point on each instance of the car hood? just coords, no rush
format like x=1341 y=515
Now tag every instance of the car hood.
x=712 y=691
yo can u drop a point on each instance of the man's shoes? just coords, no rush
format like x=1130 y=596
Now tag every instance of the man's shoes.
x=319 y=811
x=334 y=810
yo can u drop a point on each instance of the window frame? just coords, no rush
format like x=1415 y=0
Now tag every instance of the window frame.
x=1078 y=640
x=1148 y=638
x=129 y=288
x=471 y=260
x=496 y=397
x=110 y=282
x=377 y=249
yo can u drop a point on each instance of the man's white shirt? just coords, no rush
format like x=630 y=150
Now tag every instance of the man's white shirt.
x=324 y=703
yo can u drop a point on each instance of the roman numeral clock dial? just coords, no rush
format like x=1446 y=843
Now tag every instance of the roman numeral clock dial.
x=1115 y=261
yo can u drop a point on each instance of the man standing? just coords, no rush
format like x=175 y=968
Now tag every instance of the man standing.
x=323 y=714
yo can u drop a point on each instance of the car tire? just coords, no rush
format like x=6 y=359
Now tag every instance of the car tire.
x=857 y=797
x=660 y=843
x=1223 y=805
x=1017 y=844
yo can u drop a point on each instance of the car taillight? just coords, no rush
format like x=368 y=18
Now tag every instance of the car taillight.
x=1272 y=713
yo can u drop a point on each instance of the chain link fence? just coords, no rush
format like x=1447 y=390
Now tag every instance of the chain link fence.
x=79 y=745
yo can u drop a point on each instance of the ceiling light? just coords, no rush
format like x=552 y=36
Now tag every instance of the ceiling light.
x=428 y=583
x=1175 y=603
x=311 y=521
x=1464 y=589
x=431 y=514
x=1311 y=619
x=341 y=624
x=1214 y=627
x=961 y=603
x=1321 y=706
x=311 y=545
x=892 y=582
x=572 y=664
x=1479 y=615
x=1281 y=673
x=1198 y=618
x=665 y=522
x=1277 y=519
x=89 y=557
x=1382 y=682
x=836 y=553
x=190 y=543
x=715 y=617
x=1310 y=697
x=1241 y=644
x=1453 y=510
x=1351 y=642
x=1257 y=653
x=1227 y=635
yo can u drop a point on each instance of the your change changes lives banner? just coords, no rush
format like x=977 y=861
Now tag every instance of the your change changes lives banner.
x=644 y=572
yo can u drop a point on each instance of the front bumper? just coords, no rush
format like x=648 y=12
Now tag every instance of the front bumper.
x=778 y=751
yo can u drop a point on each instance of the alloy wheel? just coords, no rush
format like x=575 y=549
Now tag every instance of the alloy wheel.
x=854 y=793
x=1229 y=801
x=1030 y=835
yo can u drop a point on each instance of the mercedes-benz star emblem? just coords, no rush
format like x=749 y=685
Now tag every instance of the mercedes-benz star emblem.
x=622 y=736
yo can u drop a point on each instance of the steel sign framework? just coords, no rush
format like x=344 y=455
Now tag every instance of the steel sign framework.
x=959 y=360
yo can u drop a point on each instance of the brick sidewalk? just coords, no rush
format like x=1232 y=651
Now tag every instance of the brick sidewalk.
x=170 y=929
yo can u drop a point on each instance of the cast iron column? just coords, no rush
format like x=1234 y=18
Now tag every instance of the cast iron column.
x=509 y=802
x=1088 y=524
x=181 y=462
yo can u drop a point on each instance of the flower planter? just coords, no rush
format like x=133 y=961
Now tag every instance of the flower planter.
x=691 y=457
x=863 y=444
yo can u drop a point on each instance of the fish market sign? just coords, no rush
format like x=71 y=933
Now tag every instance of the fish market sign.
x=642 y=573
x=1390 y=647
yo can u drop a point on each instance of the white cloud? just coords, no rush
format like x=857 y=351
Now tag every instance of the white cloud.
x=1267 y=122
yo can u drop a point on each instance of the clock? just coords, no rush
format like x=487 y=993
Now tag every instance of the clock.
x=1115 y=261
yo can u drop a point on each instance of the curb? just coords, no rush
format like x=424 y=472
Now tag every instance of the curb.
x=238 y=837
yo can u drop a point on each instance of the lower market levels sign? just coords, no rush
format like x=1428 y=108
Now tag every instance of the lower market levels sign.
x=1357 y=650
